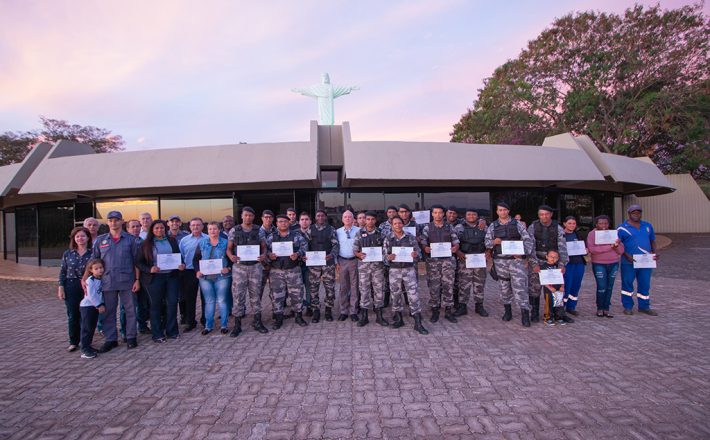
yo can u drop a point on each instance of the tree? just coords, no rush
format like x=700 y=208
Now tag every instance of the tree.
x=14 y=146
x=637 y=84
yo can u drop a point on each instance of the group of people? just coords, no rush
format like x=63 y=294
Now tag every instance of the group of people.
x=153 y=269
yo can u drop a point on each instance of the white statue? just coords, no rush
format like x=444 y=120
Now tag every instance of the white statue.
x=325 y=93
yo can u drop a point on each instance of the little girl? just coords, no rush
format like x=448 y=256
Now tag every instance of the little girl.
x=91 y=306
x=554 y=293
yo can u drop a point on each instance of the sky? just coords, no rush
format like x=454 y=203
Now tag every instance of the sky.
x=166 y=74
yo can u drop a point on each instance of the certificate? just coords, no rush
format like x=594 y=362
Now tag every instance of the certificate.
x=211 y=267
x=315 y=258
x=644 y=261
x=169 y=261
x=608 y=236
x=512 y=247
x=576 y=247
x=475 y=261
x=249 y=252
x=551 y=276
x=282 y=248
x=411 y=229
x=440 y=250
x=372 y=254
x=422 y=217
x=403 y=254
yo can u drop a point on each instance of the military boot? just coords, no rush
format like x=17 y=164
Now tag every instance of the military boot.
x=535 y=309
x=258 y=325
x=316 y=316
x=525 y=316
x=380 y=319
x=328 y=314
x=290 y=314
x=237 y=328
x=449 y=315
x=397 y=321
x=508 y=315
x=363 y=318
x=434 y=314
x=278 y=322
x=299 y=319
x=309 y=312
x=461 y=310
x=418 y=324
x=480 y=310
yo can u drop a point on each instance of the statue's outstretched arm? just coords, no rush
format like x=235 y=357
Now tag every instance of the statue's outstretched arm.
x=343 y=90
x=307 y=91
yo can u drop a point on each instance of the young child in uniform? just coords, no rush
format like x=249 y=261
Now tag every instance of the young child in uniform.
x=554 y=293
x=91 y=306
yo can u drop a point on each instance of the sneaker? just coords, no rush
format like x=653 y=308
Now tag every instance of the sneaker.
x=159 y=340
x=72 y=348
x=206 y=331
x=132 y=343
x=567 y=319
x=108 y=346
x=224 y=331
x=649 y=312
x=561 y=322
x=174 y=337
x=88 y=354
x=572 y=312
x=550 y=322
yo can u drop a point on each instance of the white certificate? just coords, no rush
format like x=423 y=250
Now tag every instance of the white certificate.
x=411 y=229
x=644 y=261
x=211 y=267
x=372 y=254
x=440 y=250
x=315 y=258
x=403 y=254
x=475 y=261
x=169 y=261
x=576 y=247
x=422 y=217
x=512 y=247
x=282 y=248
x=608 y=236
x=248 y=252
x=551 y=276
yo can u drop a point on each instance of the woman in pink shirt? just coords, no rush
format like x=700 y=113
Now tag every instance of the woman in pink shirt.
x=605 y=264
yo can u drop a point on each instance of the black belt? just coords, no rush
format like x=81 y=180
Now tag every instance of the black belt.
x=508 y=257
x=346 y=258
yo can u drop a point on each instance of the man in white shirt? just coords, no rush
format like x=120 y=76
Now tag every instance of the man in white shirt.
x=347 y=268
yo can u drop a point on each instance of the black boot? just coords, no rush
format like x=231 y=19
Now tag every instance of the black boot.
x=380 y=319
x=449 y=315
x=237 y=328
x=461 y=310
x=534 y=309
x=289 y=315
x=258 y=325
x=278 y=321
x=328 y=314
x=508 y=315
x=397 y=320
x=363 y=318
x=343 y=317
x=316 y=316
x=299 y=319
x=480 y=310
x=418 y=324
x=525 y=315
x=309 y=311
x=434 y=314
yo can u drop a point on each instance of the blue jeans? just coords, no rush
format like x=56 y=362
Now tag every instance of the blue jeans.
x=574 y=272
x=216 y=291
x=163 y=291
x=604 y=274
x=643 y=285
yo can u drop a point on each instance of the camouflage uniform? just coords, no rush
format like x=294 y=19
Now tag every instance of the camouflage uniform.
x=246 y=276
x=540 y=248
x=440 y=271
x=385 y=229
x=323 y=238
x=264 y=234
x=472 y=240
x=403 y=276
x=512 y=273
x=285 y=276
x=371 y=275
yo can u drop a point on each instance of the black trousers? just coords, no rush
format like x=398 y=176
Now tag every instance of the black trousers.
x=188 y=296
x=73 y=294
x=89 y=319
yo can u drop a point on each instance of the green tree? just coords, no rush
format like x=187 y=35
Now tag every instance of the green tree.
x=637 y=84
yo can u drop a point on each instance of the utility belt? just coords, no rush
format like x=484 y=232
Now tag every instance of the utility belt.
x=509 y=257
x=247 y=263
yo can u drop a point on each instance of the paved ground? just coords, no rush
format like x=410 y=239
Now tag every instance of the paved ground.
x=629 y=377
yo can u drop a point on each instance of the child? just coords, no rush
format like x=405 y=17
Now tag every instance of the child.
x=91 y=306
x=554 y=293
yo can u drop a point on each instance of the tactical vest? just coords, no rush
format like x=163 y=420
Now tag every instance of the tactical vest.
x=370 y=239
x=320 y=240
x=439 y=235
x=285 y=262
x=508 y=231
x=545 y=236
x=473 y=240
x=244 y=238
x=405 y=241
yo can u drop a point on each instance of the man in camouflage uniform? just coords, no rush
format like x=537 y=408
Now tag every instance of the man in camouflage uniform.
x=285 y=275
x=547 y=235
x=472 y=241
x=304 y=223
x=385 y=229
x=403 y=275
x=323 y=238
x=246 y=275
x=511 y=271
x=371 y=274
x=440 y=270
x=452 y=218
x=265 y=230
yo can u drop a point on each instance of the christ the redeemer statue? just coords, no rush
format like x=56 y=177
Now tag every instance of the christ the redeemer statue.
x=325 y=93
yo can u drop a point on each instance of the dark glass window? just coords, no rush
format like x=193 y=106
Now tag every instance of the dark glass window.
x=9 y=240
x=55 y=224
x=333 y=202
x=26 y=227
x=523 y=202
x=276 y=201
x=479 y=201
x=413 y=200
x=83 y=209
x=581 y=206
x=375 y=202
x=329 y=178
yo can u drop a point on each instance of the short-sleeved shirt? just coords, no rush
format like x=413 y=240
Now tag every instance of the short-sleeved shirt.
x=636 y=240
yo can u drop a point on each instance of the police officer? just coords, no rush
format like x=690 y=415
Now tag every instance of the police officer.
x=510 y=269
x=547 y=235
x=440 y=270
x=323 y=238
x=386 y=228
x=265 y=230
x=246 y=275
x=472 y=241
x=371 y=274
x=292 y=219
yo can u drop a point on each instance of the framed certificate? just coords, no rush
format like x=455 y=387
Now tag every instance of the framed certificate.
x=440 y=250
x=169 y=261
x=315 y=258
x=211 y=267
x=282 y=248
x=644 y=261
x=475 y=261
x=576 y=247
x=403 y=254
x=608 y=236
x=422 y=217
x=372 y=254
x=551 y=276
x=512 y=247
x=411 y=229
x=249 y=252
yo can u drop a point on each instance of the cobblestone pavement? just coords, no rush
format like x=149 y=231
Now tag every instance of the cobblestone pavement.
x=635 y=377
